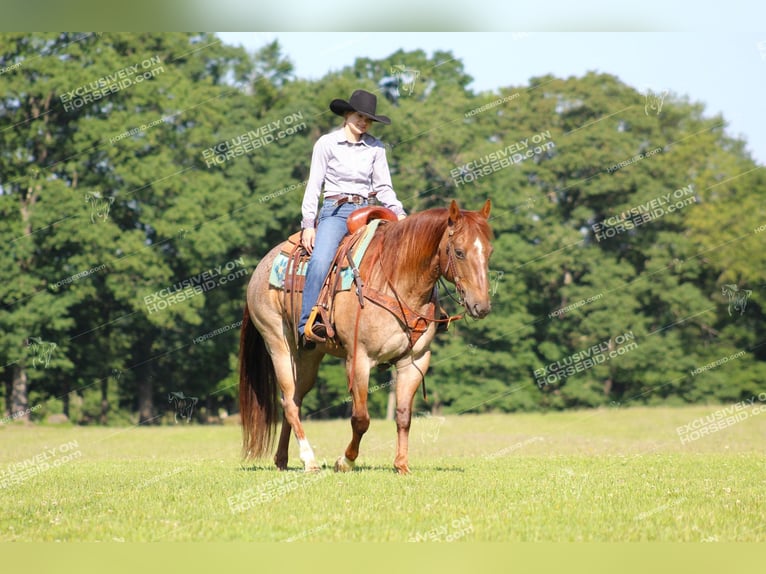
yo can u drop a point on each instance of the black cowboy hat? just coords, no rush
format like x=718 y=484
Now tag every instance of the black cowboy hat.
x=361 y=102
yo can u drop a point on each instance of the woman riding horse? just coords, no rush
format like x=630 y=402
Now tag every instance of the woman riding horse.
x=351 y=165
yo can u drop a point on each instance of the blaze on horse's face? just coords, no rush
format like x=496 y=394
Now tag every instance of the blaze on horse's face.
x=469 y=252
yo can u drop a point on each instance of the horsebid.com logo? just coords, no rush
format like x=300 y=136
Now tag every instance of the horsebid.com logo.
x=737 y=297
x=183 y=405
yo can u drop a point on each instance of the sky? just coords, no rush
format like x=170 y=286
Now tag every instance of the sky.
x=725 y=71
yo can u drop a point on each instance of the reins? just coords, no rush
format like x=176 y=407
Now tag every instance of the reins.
x=455 y=277
x=406 y=309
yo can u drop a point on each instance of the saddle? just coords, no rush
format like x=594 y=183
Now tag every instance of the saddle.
x=290 y=271
x=344 y=274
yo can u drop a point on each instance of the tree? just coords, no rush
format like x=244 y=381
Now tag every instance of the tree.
x=134 y=211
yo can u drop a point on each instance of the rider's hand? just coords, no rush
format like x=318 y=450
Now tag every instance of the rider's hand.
x=308 y=236
x=401 y=216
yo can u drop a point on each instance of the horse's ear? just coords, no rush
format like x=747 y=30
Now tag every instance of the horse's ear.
x=454 y=212
x=486 y=209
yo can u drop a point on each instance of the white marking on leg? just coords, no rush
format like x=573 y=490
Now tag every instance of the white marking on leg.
x=307 y=453
x=343 y=464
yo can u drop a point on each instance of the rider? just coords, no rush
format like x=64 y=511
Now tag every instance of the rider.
x=352 y=166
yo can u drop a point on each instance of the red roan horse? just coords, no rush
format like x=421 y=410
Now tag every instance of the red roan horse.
x=404 y=261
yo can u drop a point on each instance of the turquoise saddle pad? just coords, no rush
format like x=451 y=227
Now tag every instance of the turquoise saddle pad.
x=279 y=267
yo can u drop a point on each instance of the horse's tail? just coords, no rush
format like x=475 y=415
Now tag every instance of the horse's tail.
x=257 y=391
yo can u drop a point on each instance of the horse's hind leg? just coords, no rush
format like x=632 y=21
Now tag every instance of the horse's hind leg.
x=293 y=392
x=360 y=418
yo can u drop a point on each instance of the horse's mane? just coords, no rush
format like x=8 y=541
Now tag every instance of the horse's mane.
x=409 y=245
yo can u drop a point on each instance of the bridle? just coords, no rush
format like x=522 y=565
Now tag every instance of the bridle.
x=451 y=265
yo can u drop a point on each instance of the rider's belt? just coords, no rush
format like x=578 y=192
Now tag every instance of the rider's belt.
x=348 y=198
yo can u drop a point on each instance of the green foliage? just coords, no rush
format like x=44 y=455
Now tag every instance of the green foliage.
x=107 y=204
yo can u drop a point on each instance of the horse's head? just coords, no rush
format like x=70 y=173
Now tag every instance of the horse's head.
x=464 y=257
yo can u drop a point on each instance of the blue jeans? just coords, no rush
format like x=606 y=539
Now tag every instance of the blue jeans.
x=330 y=232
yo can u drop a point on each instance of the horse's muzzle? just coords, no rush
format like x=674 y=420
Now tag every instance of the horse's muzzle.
x=478 y=310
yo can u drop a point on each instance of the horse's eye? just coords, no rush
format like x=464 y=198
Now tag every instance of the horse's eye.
x=459 y=253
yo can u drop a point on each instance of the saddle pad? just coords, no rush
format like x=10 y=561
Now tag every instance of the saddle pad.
x=279 y=267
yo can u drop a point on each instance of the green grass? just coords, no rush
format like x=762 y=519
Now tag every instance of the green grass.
x=605 y=475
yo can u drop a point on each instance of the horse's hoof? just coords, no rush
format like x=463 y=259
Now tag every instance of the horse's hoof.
x=281 y=463
x=312 y=467
x=402 y=469
x=344 y=465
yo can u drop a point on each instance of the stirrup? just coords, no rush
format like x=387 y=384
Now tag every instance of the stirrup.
x=308 y=330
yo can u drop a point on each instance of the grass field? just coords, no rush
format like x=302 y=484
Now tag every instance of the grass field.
x=604 y=475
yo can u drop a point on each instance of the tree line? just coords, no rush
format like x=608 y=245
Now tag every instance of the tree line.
x=143 y=175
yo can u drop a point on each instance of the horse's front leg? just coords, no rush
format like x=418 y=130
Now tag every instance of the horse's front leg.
x=409 y=375
x=280 y=458
x=359 y=374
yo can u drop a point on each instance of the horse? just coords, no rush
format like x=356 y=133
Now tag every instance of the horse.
x=404 y=261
